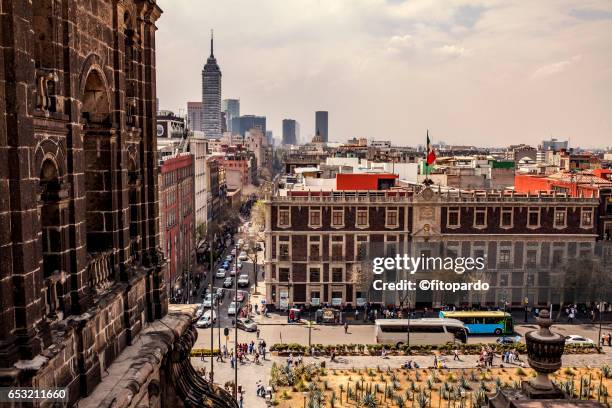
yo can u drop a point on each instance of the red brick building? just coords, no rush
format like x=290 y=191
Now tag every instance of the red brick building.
x=316 y=242
x=176 y=218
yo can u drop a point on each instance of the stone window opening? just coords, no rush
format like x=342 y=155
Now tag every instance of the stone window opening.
x=453 y=217
x=560 y=218
x=480 y=217
x=586 y=217
x=507 y=217
x=50 y=217
x=362 y=219
x=284 y=217
x=314 y=217
x=338 y=217
x=533 y=217
x=392 y=218
x=133 y=197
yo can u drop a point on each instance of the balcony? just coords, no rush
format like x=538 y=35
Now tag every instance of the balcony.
x=101 y=270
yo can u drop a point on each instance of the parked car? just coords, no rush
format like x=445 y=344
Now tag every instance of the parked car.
x=246 y=324
x=243 y=280
x=208 y=301
x=578 y=340
x=243 y=256
x=229 y=258
x=205 y=320
x=509 y=339
x=228 y=282
x=232 y=309
x=233 y=252
x=225 y=265
x=200 y=311
x=220 y=273
x=239 y=264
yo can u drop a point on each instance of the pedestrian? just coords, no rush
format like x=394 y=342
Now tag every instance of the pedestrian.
x=609 y=339
x=356 y=314
x=332 y=355
x=257 y=333
x=202 y=356
x=435 y=362
x=345 y=327
x=456 y=355
x=383 y=352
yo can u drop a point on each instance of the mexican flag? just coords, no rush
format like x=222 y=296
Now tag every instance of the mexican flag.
x=431 y=156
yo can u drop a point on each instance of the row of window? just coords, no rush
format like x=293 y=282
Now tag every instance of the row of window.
x=315 y=217
x=506 y=220
x=362 y=218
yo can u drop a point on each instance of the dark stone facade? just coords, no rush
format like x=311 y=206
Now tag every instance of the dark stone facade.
x=80 y=267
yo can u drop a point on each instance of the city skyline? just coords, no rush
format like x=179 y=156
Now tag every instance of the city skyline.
x=470 y=72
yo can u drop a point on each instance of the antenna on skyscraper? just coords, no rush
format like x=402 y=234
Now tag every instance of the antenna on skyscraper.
x=211 y=42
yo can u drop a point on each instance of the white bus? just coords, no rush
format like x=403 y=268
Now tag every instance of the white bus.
x=422 y=331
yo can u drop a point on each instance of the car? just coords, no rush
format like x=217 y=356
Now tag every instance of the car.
x=239 y=264
x=225 y=265
x=243 y=280
x=220 y=273
x=509 y=339
x=233 y=252
x=578 y=340
x=240 y=295
x=233 y=271
x=232 y=309
x=228 y=282
x=208 y=301
x=229 y=258
x=220 y=293
x=246 y=324
x=199 y=312
x=205 y=320
x=243 y=256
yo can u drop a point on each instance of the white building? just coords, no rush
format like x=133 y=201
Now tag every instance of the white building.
x=198 y=147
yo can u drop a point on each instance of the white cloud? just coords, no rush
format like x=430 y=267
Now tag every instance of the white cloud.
x=554 y=68
x=400 y=43
x=451 y=51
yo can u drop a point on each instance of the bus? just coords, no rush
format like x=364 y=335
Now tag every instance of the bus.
x=422 y=331
x=482 y=322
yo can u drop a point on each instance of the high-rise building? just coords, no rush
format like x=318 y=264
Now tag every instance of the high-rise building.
x=241 y=124
x=231 y=107
x=211 y=96
x=321 y=118
x=290 y=131
x=195 y=115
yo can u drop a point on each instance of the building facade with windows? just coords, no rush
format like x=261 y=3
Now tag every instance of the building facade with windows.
x=177 y=218
x=317 y=241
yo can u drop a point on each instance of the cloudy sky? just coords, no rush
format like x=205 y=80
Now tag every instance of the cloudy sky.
x=478 y=72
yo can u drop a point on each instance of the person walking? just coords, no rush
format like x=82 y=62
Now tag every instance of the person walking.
x=609 y=339
x=345 y=328
x=456 y=355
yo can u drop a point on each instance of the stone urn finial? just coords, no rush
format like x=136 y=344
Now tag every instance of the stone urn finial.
x=544 y=349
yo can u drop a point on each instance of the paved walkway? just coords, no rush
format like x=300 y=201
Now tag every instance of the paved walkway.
x=249 y=373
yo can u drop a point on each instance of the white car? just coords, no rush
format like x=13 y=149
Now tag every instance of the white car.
x=207 y=302
x=243 y=280
x=229 y=258
x=233 y=308
x=579 y=340
x=239 y=264
x=199 y=311
x=220 y=273
x=243 y=256
x=205 y=320
x=233 y=271
x=233 y=252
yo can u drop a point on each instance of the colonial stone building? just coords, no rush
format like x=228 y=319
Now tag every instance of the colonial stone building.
x=318 y=243
x=81 y=273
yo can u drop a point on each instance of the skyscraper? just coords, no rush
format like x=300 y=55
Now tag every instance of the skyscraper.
x=321 y=124
x=290 y=132
x=231 y=107
x=211 y=96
